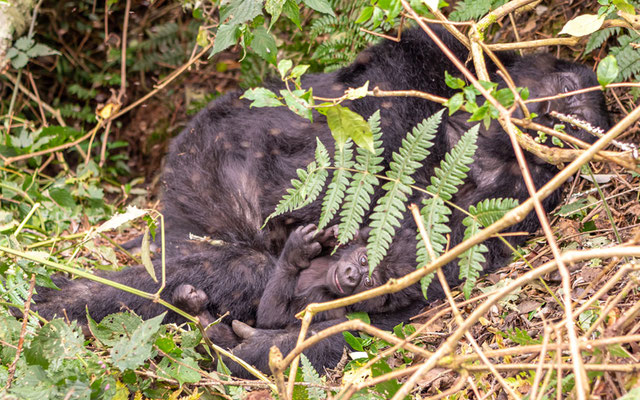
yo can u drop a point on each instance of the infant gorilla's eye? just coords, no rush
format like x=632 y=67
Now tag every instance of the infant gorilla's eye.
x=363 y=260
x=565 y=89
x=368 y=282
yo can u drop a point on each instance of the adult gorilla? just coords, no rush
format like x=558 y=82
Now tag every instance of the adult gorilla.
x=231 y=165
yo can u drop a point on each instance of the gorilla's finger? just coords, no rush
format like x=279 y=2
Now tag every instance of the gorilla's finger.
x=243 y=330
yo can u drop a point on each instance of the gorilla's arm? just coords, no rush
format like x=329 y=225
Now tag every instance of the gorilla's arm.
x=276 y=308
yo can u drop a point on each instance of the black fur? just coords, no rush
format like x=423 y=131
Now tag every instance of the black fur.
x=229 y=168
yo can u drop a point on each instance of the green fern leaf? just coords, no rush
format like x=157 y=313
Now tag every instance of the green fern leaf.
x=343 y=159
x=599 y=37
x=627 y=56
x=310 y=375
x=471 y=260
x=388 y=211
x=359 y=192
x=489 y=211
x=308 y=185
x=454 y=167
x=484 y=214
x=444 y=184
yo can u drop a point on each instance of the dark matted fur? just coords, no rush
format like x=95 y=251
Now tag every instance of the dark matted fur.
x=229 y=168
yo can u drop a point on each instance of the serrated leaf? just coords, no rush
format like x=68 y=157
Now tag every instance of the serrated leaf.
x=261 y=97
x=19 y=61
x=24 y=43
x=343 y=159
x=274 y=8
x=322 y=6
x=470 y=262
x=131 y=352
x=345 y=124
x=292 y=11
x=62 y=197
x=239 y=11
x=583 y=25
x=53 y=344
x=184 y=371
x=225 y=37
x=264 y=45
x=388 y=211
x=608 y=70
x=359 y=192
x=308 y=185
x=310 y=375
x=41 y=50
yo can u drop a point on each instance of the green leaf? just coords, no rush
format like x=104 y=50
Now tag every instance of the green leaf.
x=452 y=82
x=297 y=104
x=145 y=255
x=359 y=192
x=387 y=213
x=274 y=8
x=54 y=343
x=283 y=67
x=345 y=124
x=455 y=102
x=470 y=262
x=62 y=197
x=41 y=50
x=352 y=341
x=132 y=352
x=489 y=211
x=444 y=184
x=365 y=15
x=24 y=43
x=322 y=6
x=583 y=25
x=262 y=97
x=310 y=375
x=607 y=70
x=239 y=11
x=343 y=160
x=299 y=70
x=361 y=315
x=114 y=327
x=308 y=185
x=19 y=61
x=292 y=11
x=184 y=371
x=225 y=37
x=264 y=45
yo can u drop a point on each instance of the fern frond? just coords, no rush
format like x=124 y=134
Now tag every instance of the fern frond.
x=310 y=375
x=454 y=167
x=343 y=159
x=489 y=211
x=308 y=185
x=484 y=214
x=435 y=216
x=627 y=56
x=359 y=192
x=471 y=260
x=444 y=184
x=599 y=37
x=388 y=211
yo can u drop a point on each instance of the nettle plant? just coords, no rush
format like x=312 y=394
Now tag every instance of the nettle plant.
x=357 y=174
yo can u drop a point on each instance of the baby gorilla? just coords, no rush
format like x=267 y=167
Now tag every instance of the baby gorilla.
x=305 y=273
